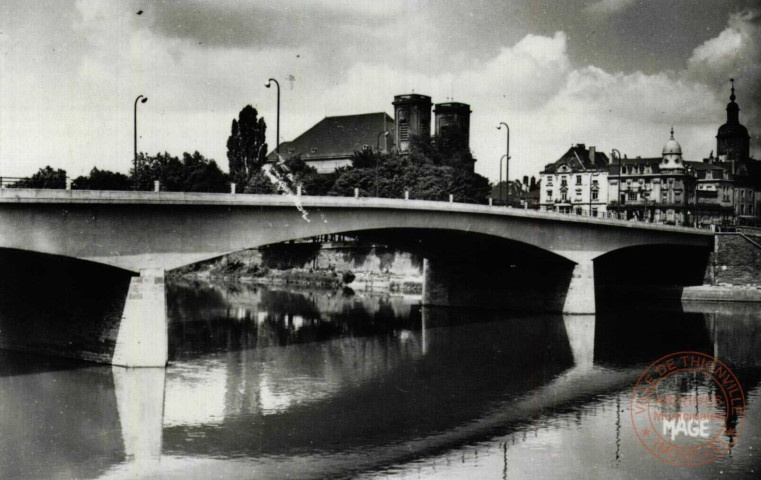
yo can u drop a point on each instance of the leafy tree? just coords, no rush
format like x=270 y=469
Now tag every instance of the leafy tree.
x=203 y=175
x=295 y=172
x=45 y=177
x=260 y=184
x=194 y=173
x=246 y=145
x=416 y=173
x=102 y=180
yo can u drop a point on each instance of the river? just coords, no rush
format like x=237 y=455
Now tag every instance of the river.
x=296 y=383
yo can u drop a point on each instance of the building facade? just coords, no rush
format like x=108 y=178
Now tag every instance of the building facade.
x=714 y=193
x=576 y=183
x=658 y=189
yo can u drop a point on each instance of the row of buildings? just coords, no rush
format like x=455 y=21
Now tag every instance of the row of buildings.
x=721 y=189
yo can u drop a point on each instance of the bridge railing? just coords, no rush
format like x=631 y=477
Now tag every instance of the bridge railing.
x=8 y=183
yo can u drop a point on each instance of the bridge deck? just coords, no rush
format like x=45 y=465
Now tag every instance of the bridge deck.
x=48 y=196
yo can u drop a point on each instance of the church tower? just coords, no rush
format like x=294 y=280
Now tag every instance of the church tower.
x=732 y=140
x=412 y=118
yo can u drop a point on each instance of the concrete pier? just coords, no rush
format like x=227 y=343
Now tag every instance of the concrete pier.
x=142 y=339
x=580 y=297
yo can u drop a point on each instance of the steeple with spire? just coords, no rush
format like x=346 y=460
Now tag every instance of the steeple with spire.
x=732 y=139
x=733 y=111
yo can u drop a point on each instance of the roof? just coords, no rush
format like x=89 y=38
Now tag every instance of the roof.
x=732 y=130
x=339 y=137
x=654 y=163
x=704 y=166
x=578 y=158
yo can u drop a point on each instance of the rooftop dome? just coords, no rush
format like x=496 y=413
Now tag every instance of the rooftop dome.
x=672 y=146
x=733 y=130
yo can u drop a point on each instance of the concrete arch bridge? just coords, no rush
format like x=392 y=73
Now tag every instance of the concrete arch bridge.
x=475 y=255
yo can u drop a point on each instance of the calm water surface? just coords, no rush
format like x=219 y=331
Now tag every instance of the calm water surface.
x=294 y=383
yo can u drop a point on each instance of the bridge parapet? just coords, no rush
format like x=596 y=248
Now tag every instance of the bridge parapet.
x=13 y=195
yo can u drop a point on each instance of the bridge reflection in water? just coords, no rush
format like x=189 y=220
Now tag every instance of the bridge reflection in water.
x=273 y=383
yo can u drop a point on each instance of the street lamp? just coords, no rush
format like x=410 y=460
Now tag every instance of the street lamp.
x=507 y=162
x=141 y=99
x=268 y=84
x=377 y=158
x=500 y=177
x=618 y=203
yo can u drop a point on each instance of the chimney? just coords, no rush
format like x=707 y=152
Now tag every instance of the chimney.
x=592 y=151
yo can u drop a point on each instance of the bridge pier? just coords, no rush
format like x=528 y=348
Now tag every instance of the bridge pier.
x=142 y=340
x=580 y=297
x=498 y=284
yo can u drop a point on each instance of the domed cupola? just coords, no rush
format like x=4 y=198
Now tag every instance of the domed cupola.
x=672 y=155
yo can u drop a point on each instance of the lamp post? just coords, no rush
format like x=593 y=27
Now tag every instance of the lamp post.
x=384 y=133
x=500 y=176
x=618 y=203
x=141 y=99
x=507 y=162
x=277 y=140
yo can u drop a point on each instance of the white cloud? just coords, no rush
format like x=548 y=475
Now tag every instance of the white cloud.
x=734 y=53
x=83 y=116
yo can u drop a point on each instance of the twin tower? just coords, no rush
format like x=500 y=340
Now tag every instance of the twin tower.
x=412 y=118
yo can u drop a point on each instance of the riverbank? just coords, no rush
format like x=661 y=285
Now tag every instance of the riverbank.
x=335 y=266
x=722 y=293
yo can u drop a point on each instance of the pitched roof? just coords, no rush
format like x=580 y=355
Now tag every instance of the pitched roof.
x=578 y=158
x=654 y=163
x=704 y=166
x=339 y=137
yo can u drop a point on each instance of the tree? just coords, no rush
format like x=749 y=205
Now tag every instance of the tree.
x=44 y=178
x=416 y=173
x=246 y=145
x=102 y=180
x=194 y=173
x=260 y=184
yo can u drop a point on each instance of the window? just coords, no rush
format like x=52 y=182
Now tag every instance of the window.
x=632 y=195
x=595 y=195
x=594 y=212
x=578 y=179
x=549 y=194
x=563 y=182
x=404 y=131
x=742 y=194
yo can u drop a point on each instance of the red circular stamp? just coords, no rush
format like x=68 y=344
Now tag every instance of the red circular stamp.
x=687 y=408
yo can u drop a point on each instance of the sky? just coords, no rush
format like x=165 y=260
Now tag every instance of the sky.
x=608 y=73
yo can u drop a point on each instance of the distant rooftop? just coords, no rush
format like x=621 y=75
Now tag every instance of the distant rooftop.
x=339 y=137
